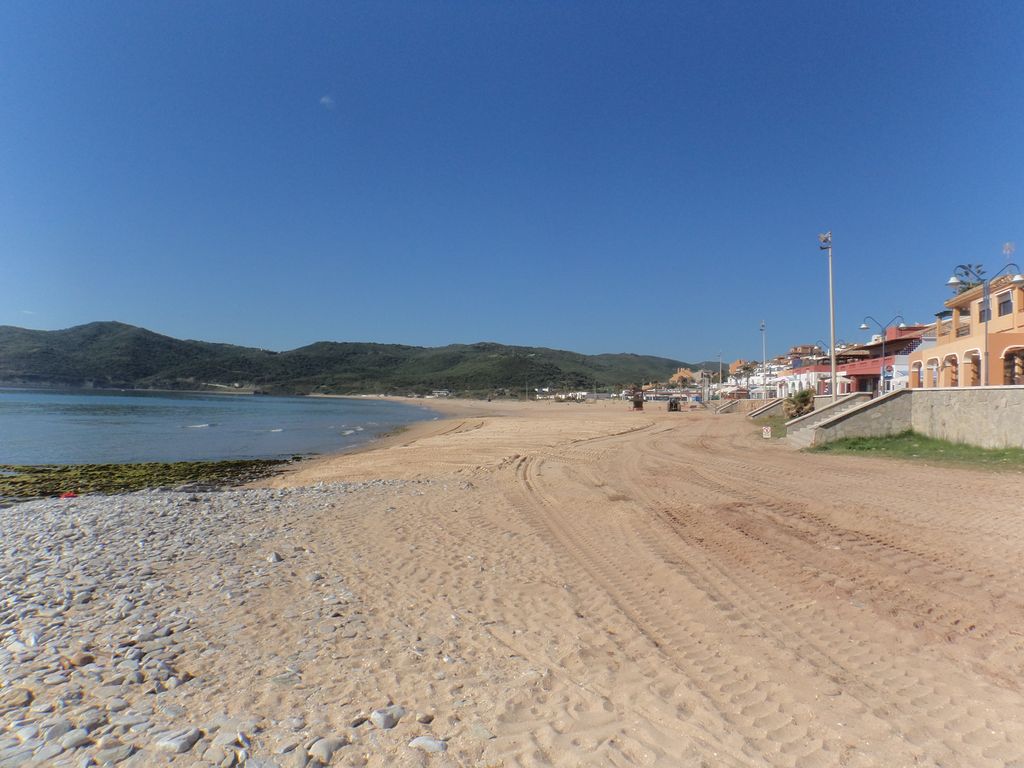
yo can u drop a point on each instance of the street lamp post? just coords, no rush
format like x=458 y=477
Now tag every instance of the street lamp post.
x=825 y=244
x=764 y=364
x=822 y=345
x=864 y=326
x=964 y=272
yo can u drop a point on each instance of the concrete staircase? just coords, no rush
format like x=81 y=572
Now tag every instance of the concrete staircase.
x=800 y=431
x=768 y=409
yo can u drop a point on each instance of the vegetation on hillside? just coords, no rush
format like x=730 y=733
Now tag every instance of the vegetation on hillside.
x=115 y=355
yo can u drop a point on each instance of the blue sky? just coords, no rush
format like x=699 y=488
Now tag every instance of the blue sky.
x=600 y=177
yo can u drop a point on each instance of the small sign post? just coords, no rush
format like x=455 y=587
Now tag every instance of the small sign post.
x=766 y=433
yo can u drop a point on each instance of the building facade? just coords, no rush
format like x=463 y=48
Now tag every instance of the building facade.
x=974 y=344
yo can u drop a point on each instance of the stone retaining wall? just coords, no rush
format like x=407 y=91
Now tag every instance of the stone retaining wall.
x=746 y=406
x=767 y=408
x=988 y=417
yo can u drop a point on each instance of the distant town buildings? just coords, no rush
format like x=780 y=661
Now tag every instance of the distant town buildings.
x=966 y=346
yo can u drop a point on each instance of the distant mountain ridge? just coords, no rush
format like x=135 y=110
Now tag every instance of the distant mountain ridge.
x=116 y=355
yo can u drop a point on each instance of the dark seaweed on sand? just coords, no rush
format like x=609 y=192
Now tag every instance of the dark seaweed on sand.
x=20 y=482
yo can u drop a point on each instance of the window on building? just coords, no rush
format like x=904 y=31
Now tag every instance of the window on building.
x=984 y=313
x=1005 y=303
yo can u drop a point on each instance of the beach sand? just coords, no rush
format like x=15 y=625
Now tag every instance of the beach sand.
x=585 y=585
x=578 y=585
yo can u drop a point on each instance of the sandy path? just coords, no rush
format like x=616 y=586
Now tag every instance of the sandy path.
x=591 y=586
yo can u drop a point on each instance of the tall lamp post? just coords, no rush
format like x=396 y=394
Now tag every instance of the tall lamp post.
x=825 y=244
x=764 y=364
x=883 y=328
x=964 y=272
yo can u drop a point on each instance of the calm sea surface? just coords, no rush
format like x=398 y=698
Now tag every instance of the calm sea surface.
x=92 y=427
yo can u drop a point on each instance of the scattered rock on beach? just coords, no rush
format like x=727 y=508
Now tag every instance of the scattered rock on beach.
x=102 y=628
x=428 y=744
x=177 y=741
x=324 y=749
x=387 y=717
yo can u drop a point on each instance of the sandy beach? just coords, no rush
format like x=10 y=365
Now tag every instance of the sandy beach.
x=540 y=584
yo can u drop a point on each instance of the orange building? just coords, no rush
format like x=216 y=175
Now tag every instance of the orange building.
x=683 y=376
x=967 y=342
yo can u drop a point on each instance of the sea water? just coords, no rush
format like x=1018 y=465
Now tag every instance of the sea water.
x=45 y=427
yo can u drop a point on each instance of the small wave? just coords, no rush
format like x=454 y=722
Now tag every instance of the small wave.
x=359 y=429
x=277 y=430
x=198 y=426
x=349 y=432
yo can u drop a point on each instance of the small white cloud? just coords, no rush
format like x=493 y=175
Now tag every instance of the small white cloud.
x=27 y=312
x=327 y=102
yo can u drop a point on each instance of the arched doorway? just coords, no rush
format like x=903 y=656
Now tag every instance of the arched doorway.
x=951 y=371
x=1013 y=365
x=972 y=368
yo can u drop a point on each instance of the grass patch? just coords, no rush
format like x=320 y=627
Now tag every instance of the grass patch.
x=24 y=482
x=910 y=445
x=777 y=423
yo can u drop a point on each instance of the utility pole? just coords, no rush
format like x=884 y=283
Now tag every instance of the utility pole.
x=825 y=244
x=764 y=364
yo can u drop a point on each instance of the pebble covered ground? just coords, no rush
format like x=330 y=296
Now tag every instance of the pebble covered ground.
x=108 y=652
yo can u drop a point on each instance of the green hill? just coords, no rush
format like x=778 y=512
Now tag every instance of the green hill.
x=115 y=355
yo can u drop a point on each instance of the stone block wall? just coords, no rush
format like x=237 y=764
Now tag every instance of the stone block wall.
x=746 y=406
x=988 y=417
x=771 y=408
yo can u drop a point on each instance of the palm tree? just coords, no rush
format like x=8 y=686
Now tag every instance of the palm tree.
x=799 y=403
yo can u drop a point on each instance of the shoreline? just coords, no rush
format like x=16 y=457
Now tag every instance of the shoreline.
x=403 y=435
x=118 y=390
x=311 y=432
